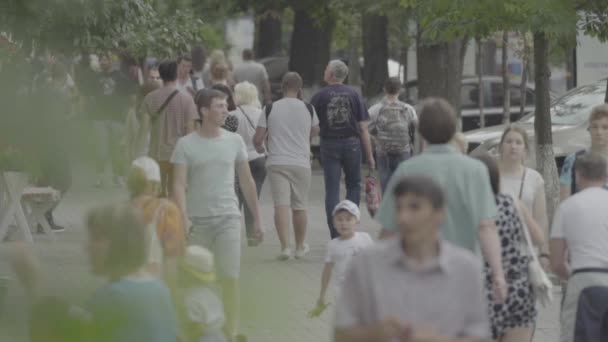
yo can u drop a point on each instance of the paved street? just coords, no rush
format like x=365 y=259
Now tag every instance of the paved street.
x=275 y=295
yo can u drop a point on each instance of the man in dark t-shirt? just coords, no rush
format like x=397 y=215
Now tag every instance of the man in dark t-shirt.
x=343 y=120
x=114 y=94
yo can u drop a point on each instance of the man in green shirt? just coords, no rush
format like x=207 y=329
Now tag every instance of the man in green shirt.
x=471 y=208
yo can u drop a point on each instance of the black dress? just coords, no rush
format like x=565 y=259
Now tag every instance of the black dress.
x=519 y=310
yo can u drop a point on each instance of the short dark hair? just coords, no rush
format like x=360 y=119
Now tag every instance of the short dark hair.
x=204 y=97
x=493 y=171
x=123 y=227
x=248 y=54
x=591 y=167
x=392 y=86
x=228 y=92
x=422 y=186
x=437 y=121
x=184 y=57
x=291 y=81
x=199 y=56
x=168 y=70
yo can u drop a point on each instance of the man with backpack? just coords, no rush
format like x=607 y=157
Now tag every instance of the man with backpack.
x=392 y=126
x=168 y=114
x=598 y=130
x=288 y=125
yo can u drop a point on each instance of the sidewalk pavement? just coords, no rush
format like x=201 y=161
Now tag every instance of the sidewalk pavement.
x=276 y=296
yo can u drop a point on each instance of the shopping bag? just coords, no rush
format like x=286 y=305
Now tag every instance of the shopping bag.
x=372 y=194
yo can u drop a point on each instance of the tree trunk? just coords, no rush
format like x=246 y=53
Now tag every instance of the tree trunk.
x=375 y=53
x=545 y=159
x=606 y=96
x=310 y=47
x=480 y=95
x=354 y=67
x=524 y=76
x=403 y=56
x=506 y=93
x=440 y=71
x=268 y=33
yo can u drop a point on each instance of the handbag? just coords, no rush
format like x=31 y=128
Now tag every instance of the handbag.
x=541 y=284
x=372 y=194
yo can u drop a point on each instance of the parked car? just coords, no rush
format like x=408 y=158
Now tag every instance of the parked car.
x=276 y=67
x=469 y=100
x=569 y=115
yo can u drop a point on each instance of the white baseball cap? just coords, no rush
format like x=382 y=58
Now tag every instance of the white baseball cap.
x=348 y=206
x=199 y=262
x=149 y=166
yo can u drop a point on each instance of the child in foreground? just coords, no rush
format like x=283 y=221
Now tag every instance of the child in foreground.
x=203 y=311
x=346 y=216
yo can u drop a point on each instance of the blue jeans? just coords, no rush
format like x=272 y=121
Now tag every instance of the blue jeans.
x=387 y=164
x=338 y=155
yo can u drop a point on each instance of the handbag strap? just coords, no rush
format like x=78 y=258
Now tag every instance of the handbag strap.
x=527 y=237
x=247 y=117
x=164 y=105
x=523 y=179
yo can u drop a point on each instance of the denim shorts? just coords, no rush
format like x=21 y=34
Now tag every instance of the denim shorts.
x=222 y=236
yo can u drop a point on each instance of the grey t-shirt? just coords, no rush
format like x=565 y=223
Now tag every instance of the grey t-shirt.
x=288 y=127
x=211 y=166
x=252 y=72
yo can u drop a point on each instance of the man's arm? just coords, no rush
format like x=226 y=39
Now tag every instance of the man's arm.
x=180 y=173
x=258 y=139
x=144 y=128
x=557 y=248
x=249 y=190
x=314 y=131
x=564 y=192
x=491 y=249
x=367 y=144
x=267 y=92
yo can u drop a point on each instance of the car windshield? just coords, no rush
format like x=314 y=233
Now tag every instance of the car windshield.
x=574 y=107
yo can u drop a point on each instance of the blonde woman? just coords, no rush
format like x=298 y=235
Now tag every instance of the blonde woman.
x=248 y=112
x=523 y=183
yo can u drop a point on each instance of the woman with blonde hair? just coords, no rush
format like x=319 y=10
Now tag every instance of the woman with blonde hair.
x=163 y=218
x=523 y=183
x=248 y=112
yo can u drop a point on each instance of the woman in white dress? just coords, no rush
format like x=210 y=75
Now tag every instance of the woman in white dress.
x=523 y=183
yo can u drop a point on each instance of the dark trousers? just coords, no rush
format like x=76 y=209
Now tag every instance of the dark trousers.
x=340 y=155
x=166 y=178
x=258 y=172
x=387 y=164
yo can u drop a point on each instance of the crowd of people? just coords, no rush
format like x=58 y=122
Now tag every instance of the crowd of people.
x=464 y=246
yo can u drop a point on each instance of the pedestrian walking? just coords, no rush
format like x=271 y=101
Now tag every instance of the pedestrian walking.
x=186 y=82
x=220 y=74
x=205 y=162
x=523 y=183
x=115 y=93
x=470 y=204
x=138 y=145
x=598 y=131
x=288 y=125
x=342 y=249
x=416 y=287
x=392 y=126
x=168 y=115
x=202 y=310
x=133 y=306
x=164 y=220
x=253 y=72
x=579 y=236
x=343 y=120
x=514 y=319
x=248 y=113
x=216 y=57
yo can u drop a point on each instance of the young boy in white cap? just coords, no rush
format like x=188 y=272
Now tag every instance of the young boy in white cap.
x=346 y=217
x=203 y=311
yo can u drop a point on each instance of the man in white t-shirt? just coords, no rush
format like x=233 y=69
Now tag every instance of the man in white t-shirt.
x=580 y=226
x=186 y=82
x=204 y=163
x=253 y=72
x=289 y=125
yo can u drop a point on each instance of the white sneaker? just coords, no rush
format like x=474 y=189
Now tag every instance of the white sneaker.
x=285 y=254
x=300 y=253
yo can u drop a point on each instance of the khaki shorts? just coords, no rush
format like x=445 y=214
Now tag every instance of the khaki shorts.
x=289 y=185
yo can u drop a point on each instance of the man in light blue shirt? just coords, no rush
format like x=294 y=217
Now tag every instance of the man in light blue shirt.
x=471 y=207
